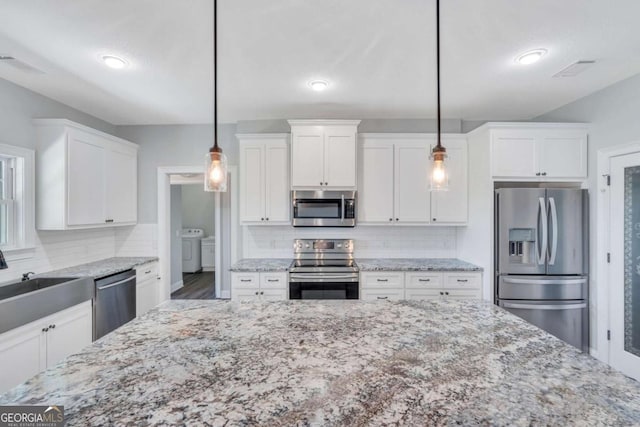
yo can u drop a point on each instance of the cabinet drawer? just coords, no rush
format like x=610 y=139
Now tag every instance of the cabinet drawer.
x=273 y=281
x=393 y=294
x=146 y=271
x=423 y=294
x=245 y=281
x=462 y=280
x=423 y=280
x=457 y=294
x=382 y=280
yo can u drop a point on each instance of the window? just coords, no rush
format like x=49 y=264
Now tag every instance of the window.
x=16 y=199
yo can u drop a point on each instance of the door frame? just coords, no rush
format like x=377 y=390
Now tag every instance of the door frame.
x=164 y=226
x=603 y=244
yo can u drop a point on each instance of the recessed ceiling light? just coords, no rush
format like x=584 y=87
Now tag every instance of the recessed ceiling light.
x=318 y=85
x=112 y=61
x=531 y=56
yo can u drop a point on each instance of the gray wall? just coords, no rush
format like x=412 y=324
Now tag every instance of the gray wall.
x=366 y=126
x=612 y=114
x=176 y=234
x=19 y=106
x=198 y=208
x=172 y=145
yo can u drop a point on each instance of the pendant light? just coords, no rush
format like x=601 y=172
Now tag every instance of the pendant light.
x=215 y=178
x=439 y=177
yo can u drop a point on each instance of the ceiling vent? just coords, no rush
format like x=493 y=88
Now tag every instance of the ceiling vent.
x=17 y=64
x=574 y=69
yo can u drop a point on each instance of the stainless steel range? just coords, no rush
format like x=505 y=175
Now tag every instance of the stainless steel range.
x=323 y=269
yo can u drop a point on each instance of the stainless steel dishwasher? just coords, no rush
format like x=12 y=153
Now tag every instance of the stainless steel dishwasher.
x=115 y=302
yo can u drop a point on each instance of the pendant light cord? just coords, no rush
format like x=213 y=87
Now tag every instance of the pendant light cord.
x=215 y=73
x=438 y=67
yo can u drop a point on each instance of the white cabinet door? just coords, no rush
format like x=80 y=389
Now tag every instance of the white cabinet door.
x=121 y=186
x=452 y=206
x=375 y=198
x=252 y=185
x=339 y=157
x=146 y=296
x=514 y=154
x=274 y=295
x=278 y=205
x=22 y=354
x=86 y=203
x=412 y=195
x=307 y=157
x=563 y=154
x=69 y=332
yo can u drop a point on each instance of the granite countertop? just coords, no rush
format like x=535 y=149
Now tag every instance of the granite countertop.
x=338 y=363
x=261 y=264
x=415 y=264
x=100 y=268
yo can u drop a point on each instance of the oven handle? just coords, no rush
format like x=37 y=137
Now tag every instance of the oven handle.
x=293 y=276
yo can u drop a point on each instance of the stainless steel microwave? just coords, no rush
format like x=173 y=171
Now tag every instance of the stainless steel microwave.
x=323 y=208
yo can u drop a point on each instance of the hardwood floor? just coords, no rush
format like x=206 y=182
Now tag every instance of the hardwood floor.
x=196 y=286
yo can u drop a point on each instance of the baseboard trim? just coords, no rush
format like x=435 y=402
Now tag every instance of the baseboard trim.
x=177 y=285
x=225 y=294
x=208 y=269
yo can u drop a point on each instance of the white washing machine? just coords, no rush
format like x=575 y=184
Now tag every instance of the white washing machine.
x=191 y=247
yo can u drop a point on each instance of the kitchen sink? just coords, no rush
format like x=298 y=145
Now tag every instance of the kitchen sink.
x=33 y=299
x=24 y=287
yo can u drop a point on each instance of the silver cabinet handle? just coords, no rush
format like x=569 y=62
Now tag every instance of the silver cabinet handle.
x=245 y=280
x=108 y=220
x=424 y=280
x=544 y=281
x=463 y=280
x=554 y=232
x=147 y=272
x=382 y=280
x=273 y=280
x=544 y=307
x=382 y=297
x=52 y=326
x=45 y=329
x=446 y=293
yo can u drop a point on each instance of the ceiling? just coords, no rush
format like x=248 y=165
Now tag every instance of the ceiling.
x=378 y=56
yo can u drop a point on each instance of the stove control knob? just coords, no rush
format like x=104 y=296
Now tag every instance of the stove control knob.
x=346 y=245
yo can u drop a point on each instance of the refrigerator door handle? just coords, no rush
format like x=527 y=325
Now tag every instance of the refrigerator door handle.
x=554 y=231
x=542 y=256
x=544 y=307
x=544 y=281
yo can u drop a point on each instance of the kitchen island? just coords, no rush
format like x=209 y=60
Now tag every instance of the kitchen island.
x=333 y=363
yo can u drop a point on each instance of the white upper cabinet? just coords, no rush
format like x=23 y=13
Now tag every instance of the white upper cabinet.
x=323 y=154
x=394 y=180
x=84 y=178
x=451 y=206
x=538 y=152
x=264 y=179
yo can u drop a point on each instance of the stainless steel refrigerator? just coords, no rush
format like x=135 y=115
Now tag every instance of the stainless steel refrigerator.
x=542 y=259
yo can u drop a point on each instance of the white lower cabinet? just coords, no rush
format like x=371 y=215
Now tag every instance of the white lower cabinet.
x=267 y=286
x=420 y=285
x=147 y=287
x=29 y=349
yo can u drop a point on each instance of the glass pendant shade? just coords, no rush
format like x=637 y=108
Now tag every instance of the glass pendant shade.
x=216 y=171
x=439 y=176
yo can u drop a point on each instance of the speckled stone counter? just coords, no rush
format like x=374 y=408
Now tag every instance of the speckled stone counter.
x=415 y=264
x=255 y=265
x=337 y=363
x=100 y=268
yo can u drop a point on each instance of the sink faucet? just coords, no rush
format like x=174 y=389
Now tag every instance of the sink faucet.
x=25 y=276
x=3 y=263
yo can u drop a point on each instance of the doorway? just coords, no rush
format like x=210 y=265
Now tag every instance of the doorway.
x=192 y=238
x=624 y=270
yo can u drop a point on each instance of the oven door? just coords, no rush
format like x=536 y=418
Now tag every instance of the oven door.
x=312 y=287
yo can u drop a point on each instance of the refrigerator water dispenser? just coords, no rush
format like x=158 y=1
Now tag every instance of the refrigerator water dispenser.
x=522 y=246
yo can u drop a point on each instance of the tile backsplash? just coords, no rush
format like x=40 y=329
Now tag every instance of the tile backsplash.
x=370 y=241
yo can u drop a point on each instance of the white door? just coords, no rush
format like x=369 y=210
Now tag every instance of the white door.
x=121 y=186
x=307 y=157
x=22 y=354
x=277 y=202
x=375 y=204
x=412 y=195
x=86 y=182
x=451 y=206
x=146 y=296
x=339 y=157
x=252 y=184
x=624 y=282
x=69 y=332
x=514 y=154
x=563 y=155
